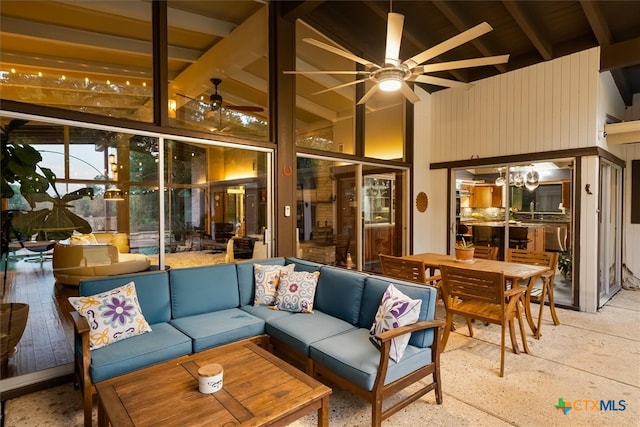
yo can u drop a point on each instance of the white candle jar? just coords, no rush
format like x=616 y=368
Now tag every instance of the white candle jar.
x=210 y=378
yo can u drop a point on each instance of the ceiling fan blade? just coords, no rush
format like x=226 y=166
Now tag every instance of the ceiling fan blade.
x=465 y=63
x=352 y=73
x=449 y=44
x=368 y=95
x=188 y=97
x=442 y=82
x=340 y=86
x=338 y=51
x=394 y=37
x=409 y=93
x=248 y=108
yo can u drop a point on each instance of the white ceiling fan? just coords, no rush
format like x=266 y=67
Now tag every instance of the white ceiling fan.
x=395 y=74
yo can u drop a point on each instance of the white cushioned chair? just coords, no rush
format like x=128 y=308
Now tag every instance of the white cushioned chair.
x=81 y=258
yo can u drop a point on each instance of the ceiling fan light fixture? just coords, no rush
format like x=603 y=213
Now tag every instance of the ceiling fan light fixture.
x=390 y=84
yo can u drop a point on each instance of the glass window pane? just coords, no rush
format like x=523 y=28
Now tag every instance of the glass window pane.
x=227 y=43
x=384 y=128
x=326 y=211
x=325 y=121
x=383 y=207
x=213 y=194
x=90 y=56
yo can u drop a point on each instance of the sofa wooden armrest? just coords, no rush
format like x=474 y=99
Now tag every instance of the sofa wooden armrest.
x=82 y=364
x=381 y=391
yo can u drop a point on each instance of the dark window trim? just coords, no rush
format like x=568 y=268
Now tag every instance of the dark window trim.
x=530 y=157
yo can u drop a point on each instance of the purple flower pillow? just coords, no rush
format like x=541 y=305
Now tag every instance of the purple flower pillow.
x=396 y=309
x=112 y=316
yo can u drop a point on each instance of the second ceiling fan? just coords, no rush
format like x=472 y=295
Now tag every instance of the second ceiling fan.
x=394 y=73
x=216 y=102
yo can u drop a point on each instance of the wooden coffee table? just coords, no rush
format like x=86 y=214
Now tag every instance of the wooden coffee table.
x=258 y=389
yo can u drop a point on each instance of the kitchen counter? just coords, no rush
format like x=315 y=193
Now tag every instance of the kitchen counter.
x=502 y=224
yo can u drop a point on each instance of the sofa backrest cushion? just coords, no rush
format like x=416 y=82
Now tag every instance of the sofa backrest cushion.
x=197 y=290
x=373 y=291
x=339 y=293
x=303 y=264
x=152 y=289
x=246 y=278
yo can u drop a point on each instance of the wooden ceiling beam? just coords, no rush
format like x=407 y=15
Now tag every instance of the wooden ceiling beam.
x=597 y=21
x=615 y=56
x=446 y=9
x=529 y=30
x=620 y=55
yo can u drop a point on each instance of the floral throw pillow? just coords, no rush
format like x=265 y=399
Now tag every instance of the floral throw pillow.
x=396 y=309
x=112 y=316
x=297 y=291
x=267 y=278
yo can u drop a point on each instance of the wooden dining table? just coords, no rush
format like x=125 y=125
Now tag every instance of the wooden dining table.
x=512 y=271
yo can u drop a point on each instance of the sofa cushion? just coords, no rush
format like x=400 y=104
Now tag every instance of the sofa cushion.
x=197 y=290
x=299 y=330
x=246 y=278
x=219 y=327
x=303 y=264
x=339 y=293
x=267 y=278
x=375 y=288
x=396 y=310
x=264 y=312
x=296 y=291
x=164 y=342
x=113 y=316
x=354 y=358
x=152 y=289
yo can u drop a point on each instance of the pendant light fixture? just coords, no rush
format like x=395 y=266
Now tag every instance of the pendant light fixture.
x=533 y=179
x=500 y=180
x=518 y=179
x=113 y=193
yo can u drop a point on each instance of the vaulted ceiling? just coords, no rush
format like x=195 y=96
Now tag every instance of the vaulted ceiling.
x=530 y=31
x=95 y=42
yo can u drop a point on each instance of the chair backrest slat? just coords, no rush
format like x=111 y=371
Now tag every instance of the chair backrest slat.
x=404 y=269
x=468 y=284
x=523 y=256
x=486 y=252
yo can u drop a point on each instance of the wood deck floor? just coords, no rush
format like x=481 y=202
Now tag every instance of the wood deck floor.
x=48 y=338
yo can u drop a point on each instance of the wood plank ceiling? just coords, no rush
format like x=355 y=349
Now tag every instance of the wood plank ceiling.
x=531 y=31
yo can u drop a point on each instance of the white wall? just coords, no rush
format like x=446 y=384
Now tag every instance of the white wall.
x=555 y=105
x=429 y=228
x=631 y=232
x=548 y=106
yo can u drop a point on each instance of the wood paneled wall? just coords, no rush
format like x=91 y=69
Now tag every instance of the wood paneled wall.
x=548 y=106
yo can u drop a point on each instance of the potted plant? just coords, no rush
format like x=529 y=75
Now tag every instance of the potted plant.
x=22 y=175
x=464 y=250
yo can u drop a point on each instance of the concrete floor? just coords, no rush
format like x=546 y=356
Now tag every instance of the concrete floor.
x=589 y=357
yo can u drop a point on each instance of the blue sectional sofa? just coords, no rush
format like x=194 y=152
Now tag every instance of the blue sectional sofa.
x=192 y=309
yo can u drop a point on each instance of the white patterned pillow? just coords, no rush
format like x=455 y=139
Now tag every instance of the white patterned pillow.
x=267 y=278
x=297 y=291
x=112 y=316
x=396 y=309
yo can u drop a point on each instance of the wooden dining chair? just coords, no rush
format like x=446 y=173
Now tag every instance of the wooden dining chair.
x=481 y=295
x=412 y=271
x=486 y=252
x=549 y=259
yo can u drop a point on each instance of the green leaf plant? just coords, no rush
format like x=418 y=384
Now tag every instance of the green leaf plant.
x=23 y=175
